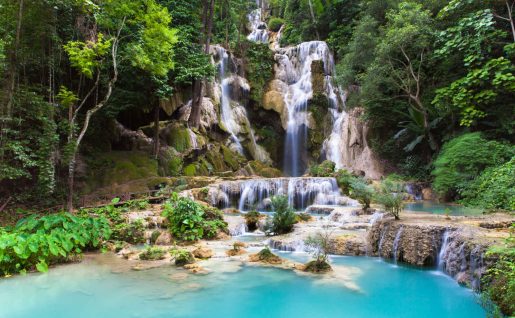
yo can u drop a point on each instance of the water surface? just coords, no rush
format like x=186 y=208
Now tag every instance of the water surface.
x=101 y=288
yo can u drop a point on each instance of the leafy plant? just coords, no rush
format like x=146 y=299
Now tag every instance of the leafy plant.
x=39 y=241
x=284 y=216
x=152 y=253
x=318 y=246
x=274 y=24
x=182 y=257
x=362 y=192
x=325 y=169
x=390 y=196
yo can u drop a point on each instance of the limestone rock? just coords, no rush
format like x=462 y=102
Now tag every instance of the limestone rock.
x=203 y=253
x=164 y=239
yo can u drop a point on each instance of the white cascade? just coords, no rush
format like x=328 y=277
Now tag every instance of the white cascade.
x=259 y=32
x=443 y=251
x=294 y=69
x=396 y=242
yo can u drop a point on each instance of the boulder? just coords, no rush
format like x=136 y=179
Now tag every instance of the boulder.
x=164 y=239
x=203 y=253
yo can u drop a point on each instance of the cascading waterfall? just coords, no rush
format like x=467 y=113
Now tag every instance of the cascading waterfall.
x=396 y=242
x=257 y=193
x=226 y=111
x=443 y=251
x=259 y=32
x=294 y=69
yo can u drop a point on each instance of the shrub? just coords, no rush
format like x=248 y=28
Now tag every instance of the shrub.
x=494 y=188
x=318 y=246
x=499 y=280
x=362 y=192
x=390 y=197
x=182 y=257
x=344 y=179
x=325 y=169
x=304 y=217
x=275 y=24
x=152 y=253
x=464 y=158
x=189 y=221
x=284 y=216
x=39 y=241
x=252 y=219
x=266 y=256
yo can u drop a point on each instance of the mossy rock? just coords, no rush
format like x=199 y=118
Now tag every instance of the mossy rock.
x=263 y=170
x=319 y=109
x=231 y=159
x=266 y=256
x=318 y=77
x=190 y=170
x=178 y=137
x=317 y=267
x=216 y=160
x=118 y=167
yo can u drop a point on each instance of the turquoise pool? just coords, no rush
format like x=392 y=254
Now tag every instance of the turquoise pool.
x=439 y=208
x=104 y=288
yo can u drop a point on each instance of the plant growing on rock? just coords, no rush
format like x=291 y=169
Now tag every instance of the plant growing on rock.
x=318 y=246
x=362 y=192
x=237 y=249
x=152 y=253
x=182 y=257
x=252 y=219
x=284 y=216
x=325 y=169
x=266 y=256
x=390 y=196
x=189 y=221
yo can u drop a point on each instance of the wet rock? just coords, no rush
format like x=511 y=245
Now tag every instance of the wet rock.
x=164 y=239
x=203 y=253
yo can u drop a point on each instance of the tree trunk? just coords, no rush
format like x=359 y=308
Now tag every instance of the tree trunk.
x=313 y=18
x=71 y=174
x=14 y=62
x=156 y=131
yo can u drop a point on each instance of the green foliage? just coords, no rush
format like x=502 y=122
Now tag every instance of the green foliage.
x=325 y=169
x=87 y=56
x=499 y=280
x=494 y=188
x=362 y=192
x=391 y=197
x=274 y=24
x=284 y=216
x=463 y=158
x=189 y=221
x=39 y=241
x=152 y=253
x=259 y=68
x=182 y=257
x=345 y=179
x=318 y=246
x=252 y=219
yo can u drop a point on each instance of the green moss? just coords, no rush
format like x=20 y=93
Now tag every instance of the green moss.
x=179 y=138
x=216 y=160
x=230 y=158
x=118 y=167
x=318 y=107
x=263 y=170
x=190 y=170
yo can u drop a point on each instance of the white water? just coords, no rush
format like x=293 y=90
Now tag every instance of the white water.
x=443 y=251
x=396 y=244
x=294 y=69
x=257 y=193
x=259 y=32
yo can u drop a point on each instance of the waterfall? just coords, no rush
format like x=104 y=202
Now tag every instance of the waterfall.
x=226 y=111
x=257 y=193
x=443 y=251
x=294 y=69
x=259 y=32
x=396 y=244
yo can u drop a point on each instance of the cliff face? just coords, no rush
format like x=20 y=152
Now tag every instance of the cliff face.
x=457 y=250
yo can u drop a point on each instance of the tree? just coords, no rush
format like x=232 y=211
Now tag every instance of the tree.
x=143 y=28
x=318 y=246
x=391 y=197
x=284 y=217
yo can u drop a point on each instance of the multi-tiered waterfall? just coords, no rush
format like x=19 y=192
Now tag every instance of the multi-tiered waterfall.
x=257 y=193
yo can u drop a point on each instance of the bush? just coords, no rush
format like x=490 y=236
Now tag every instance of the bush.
x=494 y=188
x=390 y=197
x=266 y=256
x=252 y=219
x=325 y=169
x=37 y=242
x=362 y=192
x=275 y=24
x=284 y=216
x=499 y=280
x=182 y=257
x=344 y=179
x=153 y=253
x=464 y=158
x=189 y=221
x=318 y=246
